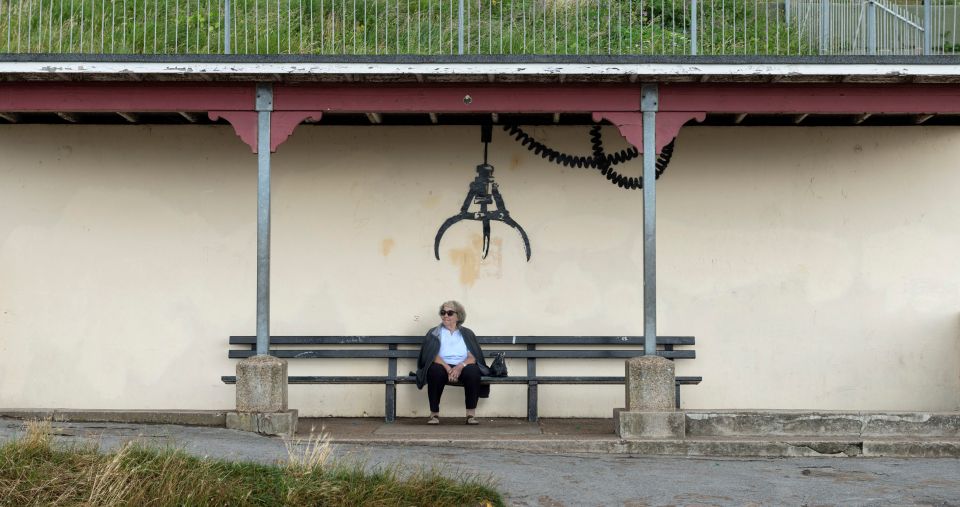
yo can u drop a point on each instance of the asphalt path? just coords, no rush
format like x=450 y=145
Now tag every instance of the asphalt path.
x=554 y=480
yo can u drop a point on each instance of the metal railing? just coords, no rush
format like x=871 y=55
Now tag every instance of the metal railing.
x=561 y=27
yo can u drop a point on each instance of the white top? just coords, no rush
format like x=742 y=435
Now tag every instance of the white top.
x=453 y=350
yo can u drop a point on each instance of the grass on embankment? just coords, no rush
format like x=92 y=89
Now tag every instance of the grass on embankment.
x=34 y=471
x=378 y=27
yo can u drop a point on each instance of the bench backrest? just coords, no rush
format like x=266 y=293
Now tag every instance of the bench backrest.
x=609 y=346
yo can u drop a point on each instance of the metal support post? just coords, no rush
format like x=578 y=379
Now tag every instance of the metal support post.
x=871 y=27
x=532 y=409
x=928 y=27
x=786 y=12
x=693 y=27
x=226 y=27
x=649 y=103
x=264 y=108
x=460 y=29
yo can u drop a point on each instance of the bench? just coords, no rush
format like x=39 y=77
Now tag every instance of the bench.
x=604 y=347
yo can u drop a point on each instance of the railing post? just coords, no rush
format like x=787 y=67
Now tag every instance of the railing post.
x=824 y=26
x=460 y=29
x=226 y=27
x=927 y=27
x=786 y=12
x=693 y=27
x=871 y=27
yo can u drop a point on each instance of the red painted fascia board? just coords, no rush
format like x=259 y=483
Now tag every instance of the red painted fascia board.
x=823 y=99
x=553 y=98
x=556 y=98
x=120 y=97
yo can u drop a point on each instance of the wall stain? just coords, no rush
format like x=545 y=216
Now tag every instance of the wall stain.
x=515 y=162
x=472 y=267
x=431 y=201
x=386 y=246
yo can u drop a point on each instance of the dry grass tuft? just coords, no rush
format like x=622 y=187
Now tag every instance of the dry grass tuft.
x=310 y=454
x=113 y=481
x=37 y=434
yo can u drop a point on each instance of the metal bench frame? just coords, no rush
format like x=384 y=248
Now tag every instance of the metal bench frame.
x=617 y=347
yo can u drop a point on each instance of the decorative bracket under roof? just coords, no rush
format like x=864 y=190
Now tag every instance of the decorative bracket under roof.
x=282 y=124
x=630 y=125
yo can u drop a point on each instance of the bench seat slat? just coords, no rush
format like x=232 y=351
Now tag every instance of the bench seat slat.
x=484 y=340
x=409 y=379
x=384 y=353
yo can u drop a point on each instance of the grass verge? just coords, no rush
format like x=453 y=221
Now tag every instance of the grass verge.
x=35 y=471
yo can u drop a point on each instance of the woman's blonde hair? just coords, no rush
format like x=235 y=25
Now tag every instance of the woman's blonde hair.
x=457 y=307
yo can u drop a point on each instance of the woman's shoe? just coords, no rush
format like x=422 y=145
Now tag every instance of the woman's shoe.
x=471 y=420
x=433 y=420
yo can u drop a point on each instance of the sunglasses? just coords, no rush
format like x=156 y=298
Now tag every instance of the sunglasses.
x=448 y=313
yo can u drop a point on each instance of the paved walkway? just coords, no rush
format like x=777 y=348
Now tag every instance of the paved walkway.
x=559 y=479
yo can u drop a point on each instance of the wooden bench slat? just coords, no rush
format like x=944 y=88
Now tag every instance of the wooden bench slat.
x=337 y=353
x=484 y=340
x=522 y=354
x=408 y=379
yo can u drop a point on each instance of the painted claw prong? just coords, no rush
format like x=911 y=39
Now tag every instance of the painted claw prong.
x=443 y=228
x=523 y=234
x=486 y=238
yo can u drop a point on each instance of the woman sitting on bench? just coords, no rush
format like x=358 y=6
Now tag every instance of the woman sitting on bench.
x=450 y=353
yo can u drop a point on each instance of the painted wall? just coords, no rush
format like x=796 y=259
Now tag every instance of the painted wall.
x=818 y=268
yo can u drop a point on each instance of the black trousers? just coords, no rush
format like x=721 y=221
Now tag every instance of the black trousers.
x=437 y=379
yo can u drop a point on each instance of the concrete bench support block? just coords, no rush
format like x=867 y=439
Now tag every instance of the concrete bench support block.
x=262 y=385
x=649 y=381
x=649 y=425
x=651 y=401
x=268 y=423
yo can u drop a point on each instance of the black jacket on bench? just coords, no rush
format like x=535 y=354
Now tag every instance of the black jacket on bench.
x=431 y=347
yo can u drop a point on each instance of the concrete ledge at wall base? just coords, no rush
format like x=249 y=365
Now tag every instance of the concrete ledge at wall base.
x=820 y=424
x=758 y=448
x=181 y=417
x=648 y=424
x=264 y=423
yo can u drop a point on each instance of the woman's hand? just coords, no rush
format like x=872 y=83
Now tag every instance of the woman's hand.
x=454 y=373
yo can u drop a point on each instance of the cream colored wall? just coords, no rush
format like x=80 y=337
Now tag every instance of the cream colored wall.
x=817 y=268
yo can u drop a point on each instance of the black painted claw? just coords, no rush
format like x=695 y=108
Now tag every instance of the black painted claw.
x=483 y=191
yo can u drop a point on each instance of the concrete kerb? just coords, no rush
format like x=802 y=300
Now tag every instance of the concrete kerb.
x=930 y=435
x=694 y=448
x=215 y=418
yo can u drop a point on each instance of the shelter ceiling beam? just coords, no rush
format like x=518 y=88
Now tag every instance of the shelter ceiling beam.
x=457 y=99
x=811 y=99
x=70 y=117
x=130 y=117
x=740 y=98
x=113 y=97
